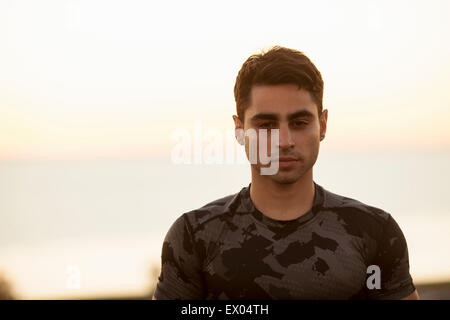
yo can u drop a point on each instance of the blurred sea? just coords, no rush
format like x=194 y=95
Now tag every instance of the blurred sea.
x=106 y=219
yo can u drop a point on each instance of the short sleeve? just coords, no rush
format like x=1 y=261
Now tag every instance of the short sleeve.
x=180 y=277
x=393 y=260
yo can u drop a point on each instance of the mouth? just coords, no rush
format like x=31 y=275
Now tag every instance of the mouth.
x=280 y=159
x=287 y=161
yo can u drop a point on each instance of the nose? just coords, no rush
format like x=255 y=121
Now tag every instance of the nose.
x=285 y=137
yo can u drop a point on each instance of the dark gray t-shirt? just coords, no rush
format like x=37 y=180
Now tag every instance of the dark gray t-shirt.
x=229 y=250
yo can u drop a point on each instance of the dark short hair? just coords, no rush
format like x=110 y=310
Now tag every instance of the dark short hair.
x=279 y=65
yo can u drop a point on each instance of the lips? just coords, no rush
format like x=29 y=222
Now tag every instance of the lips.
x=287 y=162
x=287 y=159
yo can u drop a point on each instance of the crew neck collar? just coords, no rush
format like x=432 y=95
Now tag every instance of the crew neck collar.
x=249 y=207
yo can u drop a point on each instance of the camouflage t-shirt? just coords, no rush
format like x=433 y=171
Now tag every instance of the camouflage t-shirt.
x=228 y=249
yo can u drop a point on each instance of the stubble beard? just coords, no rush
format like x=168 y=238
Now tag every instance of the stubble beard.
x=286 y=176
x=289 y=176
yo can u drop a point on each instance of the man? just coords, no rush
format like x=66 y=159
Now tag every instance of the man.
x=284 y=236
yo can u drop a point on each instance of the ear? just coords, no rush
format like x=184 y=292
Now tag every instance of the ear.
x=323 y=124
x=239 y=130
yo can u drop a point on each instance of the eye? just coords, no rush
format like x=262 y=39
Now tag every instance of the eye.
x=267 y=125
x=299 y=123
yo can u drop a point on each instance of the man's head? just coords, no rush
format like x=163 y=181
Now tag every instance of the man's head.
x=279 y=65
x=282 y=89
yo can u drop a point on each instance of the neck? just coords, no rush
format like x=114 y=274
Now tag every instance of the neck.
x=282 y=201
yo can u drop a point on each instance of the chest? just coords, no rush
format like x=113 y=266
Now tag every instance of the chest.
x=302 y=265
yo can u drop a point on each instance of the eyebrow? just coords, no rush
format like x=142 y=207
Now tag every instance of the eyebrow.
x=274 y=116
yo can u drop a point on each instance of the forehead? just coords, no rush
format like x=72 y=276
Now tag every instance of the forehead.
x=280 y=99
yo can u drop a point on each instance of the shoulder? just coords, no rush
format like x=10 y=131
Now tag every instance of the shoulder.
x=193 y=231
x=211 y=213
x=356 y=215
x=385 y=245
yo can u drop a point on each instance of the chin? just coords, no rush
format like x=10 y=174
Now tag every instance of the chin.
x=285 y=178
x=290 y=176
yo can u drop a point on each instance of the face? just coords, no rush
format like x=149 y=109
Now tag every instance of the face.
x=293 y=112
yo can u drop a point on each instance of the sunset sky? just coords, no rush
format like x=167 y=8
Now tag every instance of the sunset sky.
x=87 y=79
x=105 y=79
